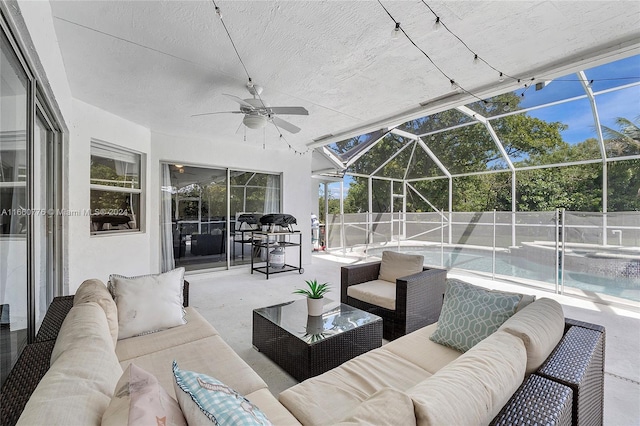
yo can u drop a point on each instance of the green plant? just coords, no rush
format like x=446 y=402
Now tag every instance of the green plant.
x=315 y=290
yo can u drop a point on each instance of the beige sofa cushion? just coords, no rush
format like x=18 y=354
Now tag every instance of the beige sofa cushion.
x=386 y=407
x=148 y=303
x=397 y=265
x=211 y=356
x=94 y=290
x=378 y=292
x=473 y=388
x=275 y=412
x=334 y=395
x=196 y=328
x=540 y=325
x=82 y=322
x=78 y=387
x=418 y=349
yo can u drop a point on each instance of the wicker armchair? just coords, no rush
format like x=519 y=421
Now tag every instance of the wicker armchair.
x=418 y=299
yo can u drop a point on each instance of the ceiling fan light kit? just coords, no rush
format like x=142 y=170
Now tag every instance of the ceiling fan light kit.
x=254 y=121
x=257 y=112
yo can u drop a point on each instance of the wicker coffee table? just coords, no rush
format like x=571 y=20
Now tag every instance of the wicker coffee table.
x=306 y=346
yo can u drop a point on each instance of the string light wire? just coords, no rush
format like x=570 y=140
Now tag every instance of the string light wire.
x=476 y=57
x=454 y=84
x=250 y=81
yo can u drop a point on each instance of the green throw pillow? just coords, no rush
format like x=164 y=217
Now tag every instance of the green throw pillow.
x=470 y=314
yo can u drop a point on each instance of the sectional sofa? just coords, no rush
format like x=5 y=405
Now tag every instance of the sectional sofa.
x=537 y=368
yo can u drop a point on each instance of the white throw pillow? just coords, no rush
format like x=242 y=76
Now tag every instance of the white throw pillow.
x=148 y=303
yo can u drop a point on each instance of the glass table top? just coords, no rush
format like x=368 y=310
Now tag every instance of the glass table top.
x=337 y=318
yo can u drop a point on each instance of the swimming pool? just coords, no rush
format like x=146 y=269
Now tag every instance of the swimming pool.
x=514 y=264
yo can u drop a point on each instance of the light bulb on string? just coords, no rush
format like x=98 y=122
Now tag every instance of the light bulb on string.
x=501 y=78
x=218 y=12
x=395 y=33
x=476 y=59
x=437 y=24
x=454 y=85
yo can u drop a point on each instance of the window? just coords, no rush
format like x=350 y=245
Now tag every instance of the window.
x=115 y=189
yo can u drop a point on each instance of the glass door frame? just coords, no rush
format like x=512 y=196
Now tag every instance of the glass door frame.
x=38 y=105
x=230 y=220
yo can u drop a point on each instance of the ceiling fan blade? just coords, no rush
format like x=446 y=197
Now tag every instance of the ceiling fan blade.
x=240 y=101
x=221 y=112
x=285 y=125
x=289 y=110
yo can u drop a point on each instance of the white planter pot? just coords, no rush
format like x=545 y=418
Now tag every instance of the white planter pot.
x=314 y=306
x=315 y=325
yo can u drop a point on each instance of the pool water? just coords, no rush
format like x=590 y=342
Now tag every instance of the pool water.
x=519 y=267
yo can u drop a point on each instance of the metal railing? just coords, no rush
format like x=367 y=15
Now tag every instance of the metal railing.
x=586 y=252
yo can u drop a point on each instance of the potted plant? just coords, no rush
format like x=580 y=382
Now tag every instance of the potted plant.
x=315 y=296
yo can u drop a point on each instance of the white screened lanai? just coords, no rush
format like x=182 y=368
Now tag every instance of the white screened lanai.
x=541 y=183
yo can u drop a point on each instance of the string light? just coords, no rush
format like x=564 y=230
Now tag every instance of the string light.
x=501 y=77
x=395 y=33
x=457 y=85
x=437 y=24
x=476 y=58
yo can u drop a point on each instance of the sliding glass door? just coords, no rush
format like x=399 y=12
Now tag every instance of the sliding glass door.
x=14 y=301
x=202 y=223
x=30 y=229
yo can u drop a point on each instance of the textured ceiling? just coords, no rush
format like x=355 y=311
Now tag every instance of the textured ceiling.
x=159 y=62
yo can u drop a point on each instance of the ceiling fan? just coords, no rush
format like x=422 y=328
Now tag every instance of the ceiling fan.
x=258 y=113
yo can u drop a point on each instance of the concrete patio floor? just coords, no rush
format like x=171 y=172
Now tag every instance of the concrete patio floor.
x=228 y=299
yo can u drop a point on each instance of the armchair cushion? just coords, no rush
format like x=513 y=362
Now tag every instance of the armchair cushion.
x=397 y=265
x=378 y=292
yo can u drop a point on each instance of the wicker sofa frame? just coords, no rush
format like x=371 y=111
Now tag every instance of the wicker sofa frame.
x=568 y=389
x=33 y=362
x=418 y=297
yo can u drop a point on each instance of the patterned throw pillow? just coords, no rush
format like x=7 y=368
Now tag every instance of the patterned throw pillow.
x=470 y=314
x=206 y=400
x=140 y=400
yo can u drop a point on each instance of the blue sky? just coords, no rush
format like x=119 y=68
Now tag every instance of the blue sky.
x=578 y=115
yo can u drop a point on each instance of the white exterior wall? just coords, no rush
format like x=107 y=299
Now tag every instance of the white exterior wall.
x=97 y=256
x=39 y=20
x=296 y=178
